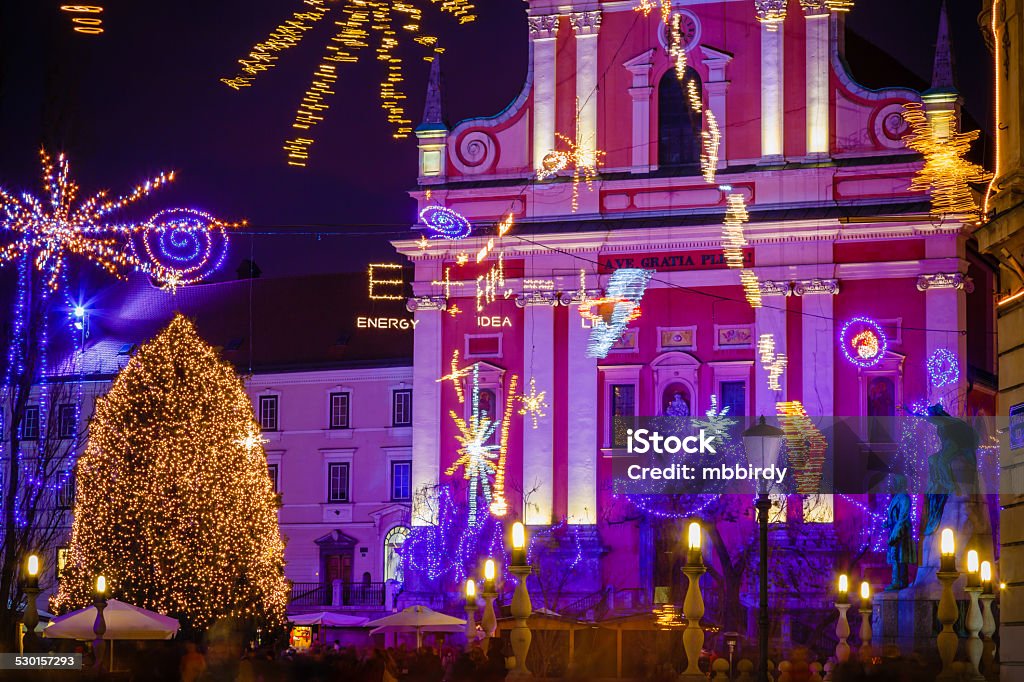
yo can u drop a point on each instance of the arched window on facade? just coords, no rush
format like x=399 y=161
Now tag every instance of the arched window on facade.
x=678 y=125
x=395 y=538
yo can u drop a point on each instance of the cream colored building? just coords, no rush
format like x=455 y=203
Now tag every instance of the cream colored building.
x=1002 y=23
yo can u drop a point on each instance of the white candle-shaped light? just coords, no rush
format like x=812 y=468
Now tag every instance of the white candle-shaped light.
x=986 y=577
x=844 y=589
x=865 y=594
x=973 y=568
x=470 y=591
x=948 y=549
x=489 y=575
x=693 y=538
x=101 y=585
x=518 y=544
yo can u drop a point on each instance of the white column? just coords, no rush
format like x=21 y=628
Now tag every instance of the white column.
x=426 y=409
x=716 y=87
x=819 y=349
x=816 y=89
x=586 y=26
x=945 y=313
x=543 y=30
x=583 y=426
x=640 y=92
x=538 y=443
x=770 y=318
x=772 y=112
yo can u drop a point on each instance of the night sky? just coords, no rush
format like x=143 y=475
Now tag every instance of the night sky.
x=145 y=97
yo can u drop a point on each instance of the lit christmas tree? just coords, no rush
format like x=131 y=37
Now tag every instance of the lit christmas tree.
x=174 y=503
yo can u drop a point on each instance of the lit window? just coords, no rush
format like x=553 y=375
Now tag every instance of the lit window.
x=62 y=560
x=734 y=396
x=340 y=410
x=401 y=480
x=395 y=538
x=337 y=482
x=268 y=412
x=401 y=408
x=622 y=409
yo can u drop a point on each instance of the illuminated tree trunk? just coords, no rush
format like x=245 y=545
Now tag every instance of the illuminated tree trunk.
x=175 y=506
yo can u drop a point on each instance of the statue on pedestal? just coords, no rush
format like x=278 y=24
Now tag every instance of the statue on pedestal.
x=678 y=407
x=958 y=442
x=902 y=549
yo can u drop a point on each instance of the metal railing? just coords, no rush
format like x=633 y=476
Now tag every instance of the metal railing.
x=339 y=594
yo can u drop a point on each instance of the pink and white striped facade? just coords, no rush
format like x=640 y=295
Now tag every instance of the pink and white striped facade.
x=834 y=233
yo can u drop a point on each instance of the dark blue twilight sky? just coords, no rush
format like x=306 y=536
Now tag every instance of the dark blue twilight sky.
x=145 y=96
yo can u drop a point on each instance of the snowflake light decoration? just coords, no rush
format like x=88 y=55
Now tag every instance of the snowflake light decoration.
x=577 y=155
x=357 y=20
x=478 y=456
x=55 y=230
x=252 y=439
x=716 y=421
x=533 y=403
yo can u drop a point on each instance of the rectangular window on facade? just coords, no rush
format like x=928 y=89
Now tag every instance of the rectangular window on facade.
x=340 y=410
x=337 y=482
x=269 y=412
x=734 y=396
x=30 y=423
x=62 y=560
x=401 y=407
x=272 y=473
x=622 y=403
x=66 y=493
x=66 y=422
x=401 y=480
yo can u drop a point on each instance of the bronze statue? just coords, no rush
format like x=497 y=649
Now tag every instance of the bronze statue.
x=959 y=441
x=902 y=549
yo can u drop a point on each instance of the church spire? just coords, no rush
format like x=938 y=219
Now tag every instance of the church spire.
x=943 y=77
x=433 y=111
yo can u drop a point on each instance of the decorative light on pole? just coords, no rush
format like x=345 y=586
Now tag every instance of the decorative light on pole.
x=761 y=443
x=31 y=617
x=947 y=640
x=843 y=623
x=488 y=621
x=521 y=606
x=988 y=627
x=866 y=611
x=99 y=626
x=693 y=605
x=470 y=610
x=974 y=621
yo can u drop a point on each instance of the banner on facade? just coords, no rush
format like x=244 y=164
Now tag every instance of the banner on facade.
x=671 y=261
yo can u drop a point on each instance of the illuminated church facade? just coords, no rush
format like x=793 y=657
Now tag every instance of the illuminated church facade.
x=834 y=233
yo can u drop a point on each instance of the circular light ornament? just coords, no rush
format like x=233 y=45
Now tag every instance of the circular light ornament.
x=943 y=367
x=863 y=341
x=189 y=245
x=444 y=223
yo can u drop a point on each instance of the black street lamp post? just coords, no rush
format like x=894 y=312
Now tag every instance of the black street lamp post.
x=762 y=442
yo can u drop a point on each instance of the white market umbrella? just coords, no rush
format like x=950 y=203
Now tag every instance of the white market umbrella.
x=418 y=619
x=329 y=620
x=124 y=621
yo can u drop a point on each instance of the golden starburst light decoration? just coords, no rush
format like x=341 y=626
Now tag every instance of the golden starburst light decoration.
x=533 y=403
x=59 y=228
x=384 y=23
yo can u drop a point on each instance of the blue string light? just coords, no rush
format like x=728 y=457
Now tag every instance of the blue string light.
x=444 y=223
x=943 y=367
x=863 y=341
